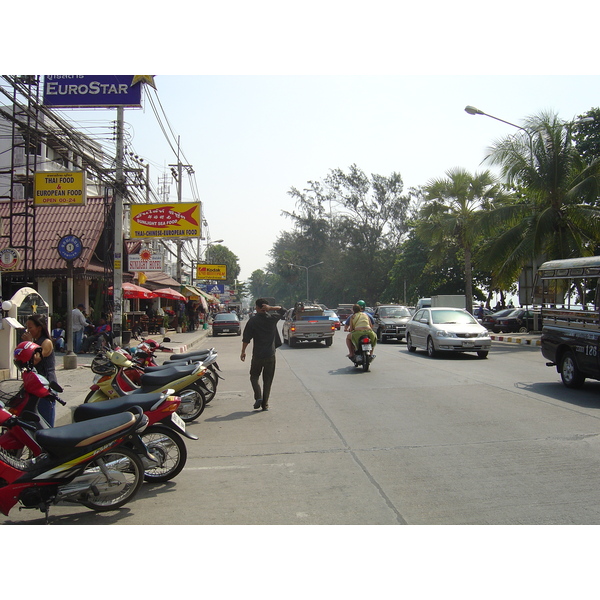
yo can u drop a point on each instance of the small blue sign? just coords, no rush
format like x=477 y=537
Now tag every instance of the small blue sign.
x=216 y=289
x=84 y=91
x=70 y=247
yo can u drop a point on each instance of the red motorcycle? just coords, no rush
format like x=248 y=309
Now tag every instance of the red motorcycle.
x=84 y=463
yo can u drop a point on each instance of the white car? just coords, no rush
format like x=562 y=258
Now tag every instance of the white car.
x=446 y=329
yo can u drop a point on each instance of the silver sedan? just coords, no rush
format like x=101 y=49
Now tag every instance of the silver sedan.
x=441 y=329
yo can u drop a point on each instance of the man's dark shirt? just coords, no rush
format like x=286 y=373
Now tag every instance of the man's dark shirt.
x=262 y=328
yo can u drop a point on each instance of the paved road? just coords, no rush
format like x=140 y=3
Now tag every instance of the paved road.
x=415 y=441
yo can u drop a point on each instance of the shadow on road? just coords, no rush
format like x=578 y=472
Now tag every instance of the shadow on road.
x=586 y=397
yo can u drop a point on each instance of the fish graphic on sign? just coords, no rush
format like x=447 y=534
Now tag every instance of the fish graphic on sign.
x=164 y=216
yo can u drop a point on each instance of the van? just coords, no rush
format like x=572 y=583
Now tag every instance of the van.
x=423 y=303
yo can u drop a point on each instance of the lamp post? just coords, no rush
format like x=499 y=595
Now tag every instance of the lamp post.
x=306 y=268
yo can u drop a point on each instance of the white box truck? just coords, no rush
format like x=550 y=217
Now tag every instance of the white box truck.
x=449 y=300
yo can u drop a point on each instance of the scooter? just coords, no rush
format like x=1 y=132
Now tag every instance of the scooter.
x=84 y=463
x=363 y=356
x=112 y=381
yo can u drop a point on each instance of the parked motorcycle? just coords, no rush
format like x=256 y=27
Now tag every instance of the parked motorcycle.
x=162 y=449
x=362 y=355
x=84 y=463
x=113 y=370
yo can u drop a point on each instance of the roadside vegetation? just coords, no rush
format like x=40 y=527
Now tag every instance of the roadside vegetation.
x=359 y=235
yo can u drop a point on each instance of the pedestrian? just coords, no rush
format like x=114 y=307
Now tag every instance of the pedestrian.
x=79 y=324
x=58 y=337
x=44 y=363
x=100 y=333
x=261 y=329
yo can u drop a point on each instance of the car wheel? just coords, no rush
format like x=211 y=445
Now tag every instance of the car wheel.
x=569 y=371
x=523 y=330
x=482 y=353
x=409 y=345
x=431 y=351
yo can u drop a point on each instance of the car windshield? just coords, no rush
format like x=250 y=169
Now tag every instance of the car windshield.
x=330 y=313
x=387 y=313
x=447 y=317
x=225 y=317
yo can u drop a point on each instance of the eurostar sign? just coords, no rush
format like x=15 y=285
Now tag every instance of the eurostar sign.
x=89 y=91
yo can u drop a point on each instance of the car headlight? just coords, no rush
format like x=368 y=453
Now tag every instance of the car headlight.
x=485 y=333
x=445 y=334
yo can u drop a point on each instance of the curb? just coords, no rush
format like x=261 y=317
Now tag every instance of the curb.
x=516 y=340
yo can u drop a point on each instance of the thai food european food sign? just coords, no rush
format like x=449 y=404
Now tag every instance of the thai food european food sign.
x=174 y=220
x=58 y=188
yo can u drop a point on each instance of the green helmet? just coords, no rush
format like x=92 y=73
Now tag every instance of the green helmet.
x=361 y=303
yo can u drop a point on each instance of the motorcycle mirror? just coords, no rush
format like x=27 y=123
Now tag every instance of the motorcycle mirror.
x=56 y=387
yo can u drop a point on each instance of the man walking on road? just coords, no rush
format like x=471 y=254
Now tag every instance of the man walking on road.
x=262 y=328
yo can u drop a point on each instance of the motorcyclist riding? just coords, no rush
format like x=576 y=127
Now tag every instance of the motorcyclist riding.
x=359 y=324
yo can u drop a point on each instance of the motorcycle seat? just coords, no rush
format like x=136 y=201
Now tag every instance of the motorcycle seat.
x=63 y=440
x=93 y=410
x=192 y=354
x=166 y=376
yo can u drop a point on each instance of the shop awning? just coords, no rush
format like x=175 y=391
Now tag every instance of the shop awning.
x=192 y=290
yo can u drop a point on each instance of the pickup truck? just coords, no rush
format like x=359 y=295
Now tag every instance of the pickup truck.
x=307 y=323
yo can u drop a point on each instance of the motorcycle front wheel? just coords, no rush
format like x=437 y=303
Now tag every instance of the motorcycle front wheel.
x=118 y=476
x=170 y=450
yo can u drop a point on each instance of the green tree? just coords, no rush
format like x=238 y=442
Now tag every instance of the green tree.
x=451 y=215
x=351 y=222
x=555 y=214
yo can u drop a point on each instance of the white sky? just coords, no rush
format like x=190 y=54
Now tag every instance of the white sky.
x=251 y=138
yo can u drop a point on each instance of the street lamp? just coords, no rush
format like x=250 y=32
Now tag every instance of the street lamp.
x=307 y=268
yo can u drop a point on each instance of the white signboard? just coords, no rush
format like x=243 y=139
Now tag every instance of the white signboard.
x=145 y=262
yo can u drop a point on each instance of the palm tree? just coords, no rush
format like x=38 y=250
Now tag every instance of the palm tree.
x=555 y=214
x=451 y=216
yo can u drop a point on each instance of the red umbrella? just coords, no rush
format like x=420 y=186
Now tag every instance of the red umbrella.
x=130 y=291
x=170 y=294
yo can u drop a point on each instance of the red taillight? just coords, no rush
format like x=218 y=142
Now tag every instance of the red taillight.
x=333 y=327
x=366 y=340
x=94 y=387
x=292 y=328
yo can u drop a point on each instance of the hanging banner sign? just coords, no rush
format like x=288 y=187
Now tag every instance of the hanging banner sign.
x=218 y=272
x=174 y=220
x=145 y=261
x=92 y=91
x=57 y=188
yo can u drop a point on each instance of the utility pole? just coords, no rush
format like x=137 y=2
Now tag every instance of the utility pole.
x=179 y=178
x=118 y=253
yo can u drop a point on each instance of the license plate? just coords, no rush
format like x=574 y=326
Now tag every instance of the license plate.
x=177 y=420
x=367 y=347
x=468 y=344
x=313 y=335
x=225 y=330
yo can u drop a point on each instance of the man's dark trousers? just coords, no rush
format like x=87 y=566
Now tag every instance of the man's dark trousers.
x=266 y=366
